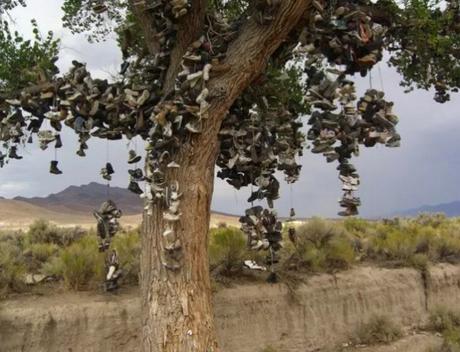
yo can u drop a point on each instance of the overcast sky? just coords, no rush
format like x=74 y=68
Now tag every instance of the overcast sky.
x=424 y=170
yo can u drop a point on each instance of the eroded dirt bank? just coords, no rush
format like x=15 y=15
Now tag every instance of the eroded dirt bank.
x=321 y=313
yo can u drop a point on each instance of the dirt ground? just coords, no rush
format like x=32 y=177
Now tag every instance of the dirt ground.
x=320 y=314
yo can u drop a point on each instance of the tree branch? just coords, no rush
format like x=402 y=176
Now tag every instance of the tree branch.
x=189 y=29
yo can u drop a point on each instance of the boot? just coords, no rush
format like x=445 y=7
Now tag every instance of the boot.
x=54 y=168
x=13 y=153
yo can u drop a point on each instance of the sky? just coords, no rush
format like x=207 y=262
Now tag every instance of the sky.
x=424 y=170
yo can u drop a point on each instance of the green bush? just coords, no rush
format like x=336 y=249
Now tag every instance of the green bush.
x=320 y=246
x=38 y=253
x=128 y=248
x=80 y=264
x=12 y=268
x=227 y=249
x=42 y=231
x=447 y=322
x=379 y=329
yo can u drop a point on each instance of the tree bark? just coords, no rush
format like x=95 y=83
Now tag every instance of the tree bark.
x=177 y=305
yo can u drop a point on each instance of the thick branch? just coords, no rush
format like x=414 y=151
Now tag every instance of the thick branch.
x=146 y=21
x=189 y=28
x=248 y=55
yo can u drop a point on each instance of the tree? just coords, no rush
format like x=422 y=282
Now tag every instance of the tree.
x=223 y=83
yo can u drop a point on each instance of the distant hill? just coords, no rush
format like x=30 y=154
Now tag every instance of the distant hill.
x=75 y=205
x=86 y=198
x=450 y=209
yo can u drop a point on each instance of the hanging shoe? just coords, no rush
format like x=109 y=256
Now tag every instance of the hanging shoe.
x=81 y=153
x=58 y=140
x=134 y=187
x=133 y=157
x=54 y=168
x=13 y=153
x=105 y=174
x=136 y=174
x=109 y=169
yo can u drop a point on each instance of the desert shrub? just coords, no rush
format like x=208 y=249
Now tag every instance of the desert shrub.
x=42 y=231
x=356 y=226
x=320 y=245
x=447 y=322
x=128 y=248
x=12 y=268
x=379 y=329
x=36 y=254
x=79 y=264
x=431 y=219
x=227 y=248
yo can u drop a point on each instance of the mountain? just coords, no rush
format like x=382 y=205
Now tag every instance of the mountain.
x=85 y=199
x=450 y=209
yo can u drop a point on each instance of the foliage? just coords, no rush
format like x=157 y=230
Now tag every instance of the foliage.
x=379 y=329
x=128 y=249
x=79 y=265
x=227 y=248
x=12 y=268
x=25 y=61
x=447 y=322
x=320 y=246
x=42 y=231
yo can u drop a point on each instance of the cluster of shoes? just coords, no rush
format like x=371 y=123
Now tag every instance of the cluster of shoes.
x=347 y=35
x=107 y=223
x=256 y=143
x=338 y=134
x=263 y=230
x=107 y=226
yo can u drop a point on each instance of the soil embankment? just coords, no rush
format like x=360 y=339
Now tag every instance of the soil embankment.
x=321 y=313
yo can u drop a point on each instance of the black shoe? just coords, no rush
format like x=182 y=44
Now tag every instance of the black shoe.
x=58 y=143
x=54 y=168
x=13 y=153
x=133 y=157
x=81 y=153
x=109 y=169
x=134 y=187
x=136 y=174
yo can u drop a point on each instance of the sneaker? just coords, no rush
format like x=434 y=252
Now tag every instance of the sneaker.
x=133 y=157
x=173 y=165
x=100 y=8
x=136 y=174
x=174 y=246
x=194 y=127
x=171 y=217
x=81 y=152
x=134 y=187
x=54 y=168
x=251 y=264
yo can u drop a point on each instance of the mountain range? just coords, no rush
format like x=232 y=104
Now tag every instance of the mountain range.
x=451 y=209
x=85 y=199
x=75 y=205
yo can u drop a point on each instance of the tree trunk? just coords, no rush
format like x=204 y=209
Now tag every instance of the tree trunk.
x=177 y=311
